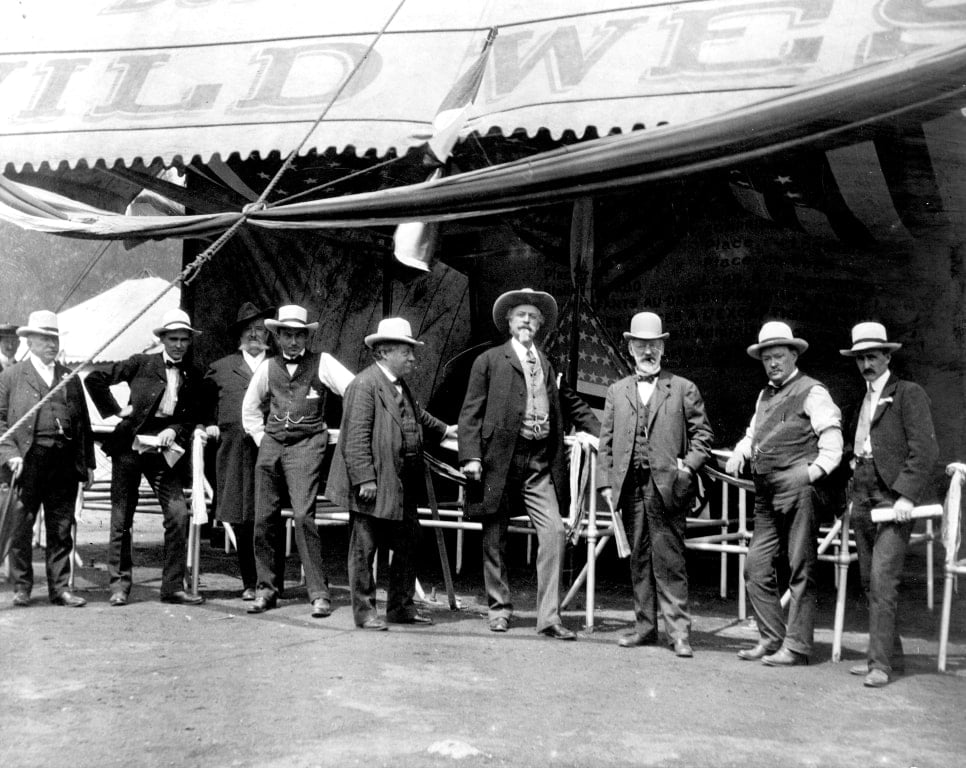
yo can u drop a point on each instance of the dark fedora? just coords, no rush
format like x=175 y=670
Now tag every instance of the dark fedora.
x=8 y=329
x=248 y=312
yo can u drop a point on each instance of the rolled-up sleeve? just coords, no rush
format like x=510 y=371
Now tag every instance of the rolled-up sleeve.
x=826 y=420
x=334 y=374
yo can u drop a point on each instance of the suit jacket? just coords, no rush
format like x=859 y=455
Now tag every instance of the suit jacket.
x=491 y=418
x=370 y=445
x=677 y=428
x=21 y=388
x=904 y=448
x=145 y=375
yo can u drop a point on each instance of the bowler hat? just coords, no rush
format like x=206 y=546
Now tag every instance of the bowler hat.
x=539 y=299
x=776 y=334
x=869 y=336
x=174 y=320
x=291 y=316
x=43 y=322
x=392 y=329
x=646 y=326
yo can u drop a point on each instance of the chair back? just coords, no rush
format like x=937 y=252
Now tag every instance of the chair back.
x=952 y=513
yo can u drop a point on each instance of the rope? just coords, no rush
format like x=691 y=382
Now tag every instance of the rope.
x=194 y=268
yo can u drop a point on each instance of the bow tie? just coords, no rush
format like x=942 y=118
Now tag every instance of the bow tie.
x=172 y=364
x=294 y=360
x=648 y=378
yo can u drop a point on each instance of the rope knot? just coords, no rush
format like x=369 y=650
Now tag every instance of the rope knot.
x=255 y=207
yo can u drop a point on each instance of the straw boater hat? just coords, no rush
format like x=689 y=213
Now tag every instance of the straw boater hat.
x=776 y=334
x=246 y=313
x=43 y=322
x=291 y=316
x=869 y=336
x=8 y=329
x=646 y=326
x=392 y=329
x=542 y=301
x=175 y=320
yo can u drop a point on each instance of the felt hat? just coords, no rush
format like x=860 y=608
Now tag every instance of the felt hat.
x=868 y=336
x=43 y=322
x=248 y=312
x=175 y=320
x=776 y=334
x=542 y=301
x=291 y=316
x=646 y=326
x=392 y=329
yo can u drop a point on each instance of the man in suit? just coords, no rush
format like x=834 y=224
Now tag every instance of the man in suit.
x=654 y=438
x=226 y=383
x=165 y=405
x=52 y=451
x=284 y=412
x=793 y=444
x=377 y=474
x=511 y=449
x=894 y=451
x=9 y=343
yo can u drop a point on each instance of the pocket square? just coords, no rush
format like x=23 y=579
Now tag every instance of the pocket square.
x=312 y=395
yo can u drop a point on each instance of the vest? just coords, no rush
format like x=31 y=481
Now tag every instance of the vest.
x=53 y=420
x=293 y=414
x=640 y=436
x=410 y=429
x=783 y=434
x=536 y=417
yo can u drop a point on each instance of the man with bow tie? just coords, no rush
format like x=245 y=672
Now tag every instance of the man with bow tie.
x=793 y=444
x=894 y=452
x=53 y=450
x=654 y=438
x=511 y=449
x=291 y=435
x=165 y=403
x=378 y=473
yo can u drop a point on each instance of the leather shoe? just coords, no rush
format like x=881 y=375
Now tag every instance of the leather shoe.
x=375 y=624
x=118 y=599
x=261 y=604
x=860 y=669
x=321 y=607
x=558 y=632
x=785 y=657
x=416 y=618
x=753 y=654
x=877 y=678
x=500 y=625
x=248 y=594
x=182 y=598
x=21 y=599
x=682 y=648
x=65 y=598
x=634 y=639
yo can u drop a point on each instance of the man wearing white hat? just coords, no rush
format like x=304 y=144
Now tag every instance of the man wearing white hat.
x=793 y=443
x=284 y=412
x=377 y=473
x=165 y=403
x=894 y=452
x=52 y=451
x=511 y=448
x=654 y=438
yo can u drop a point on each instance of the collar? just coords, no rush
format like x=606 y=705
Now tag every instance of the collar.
x=648 y=378
x=253 y=362
x=521 y=351
x=393 y=379
x=791 y=376
x=39 y=364
x=879 y=384
x=166 y=358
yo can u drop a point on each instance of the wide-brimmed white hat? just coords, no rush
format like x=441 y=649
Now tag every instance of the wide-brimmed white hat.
x=776 y=334
x=539 y=299
x=291 y=316
x=646 y=326
x=868 y=336
x=392 y=329
x=175 y=320
x=43 y=322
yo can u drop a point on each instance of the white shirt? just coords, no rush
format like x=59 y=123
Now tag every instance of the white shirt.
x=253 y=361
x=876 y=387
x=332 y=373
x=646 y=388
x=169 y=400
x=522 y=352
x=46 y=372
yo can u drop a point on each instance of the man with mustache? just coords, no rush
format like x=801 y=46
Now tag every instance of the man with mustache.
x=511 y=449
x=894 y=451
x=654 y=438
x=793 y=443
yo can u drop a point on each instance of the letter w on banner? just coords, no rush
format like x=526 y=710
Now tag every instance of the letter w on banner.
x=415 y=241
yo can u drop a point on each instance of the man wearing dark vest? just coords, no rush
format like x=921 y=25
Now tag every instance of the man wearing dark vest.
x=377 y=474
x=654 y=438
x=291 y=442
x=793 y=443
x=894 y=452
x=53 y=451
x=164 y=406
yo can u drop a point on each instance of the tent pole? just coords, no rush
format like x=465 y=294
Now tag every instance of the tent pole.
x=386 y=285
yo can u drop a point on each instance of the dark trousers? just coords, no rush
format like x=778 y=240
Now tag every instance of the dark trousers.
x=245 y=542
x=294 y=468
x=48 y=477
x=881 y=548
x=369 y=534
x=528 y=481
x=659 y=575
x=786 y=526
x=126 y=471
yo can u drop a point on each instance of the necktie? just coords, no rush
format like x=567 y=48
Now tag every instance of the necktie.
x=172 y=381
x=865 y=423
x=400 y=397
x=647 y=378
x=532 y=361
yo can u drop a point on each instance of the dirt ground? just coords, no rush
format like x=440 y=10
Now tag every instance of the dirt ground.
x=156 y=685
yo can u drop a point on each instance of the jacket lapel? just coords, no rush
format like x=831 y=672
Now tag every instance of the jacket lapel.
x=629 y=387
x=32 y=378
x=242 y=368
x=387 y=395
x=662 y=388
x=885 y=399
x=512 y=359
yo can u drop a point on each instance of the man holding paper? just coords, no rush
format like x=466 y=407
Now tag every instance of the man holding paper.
x=654 y=438
x=155 y=428
x=894 y=451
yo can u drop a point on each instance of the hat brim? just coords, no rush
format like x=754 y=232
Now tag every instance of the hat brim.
x=274 y=325
x=628 y=336
x=28 y=331
x=375 y=338
x=869 y=346
x=159 y=332
x=241 y=322
x=539 y=299
x=755 y=350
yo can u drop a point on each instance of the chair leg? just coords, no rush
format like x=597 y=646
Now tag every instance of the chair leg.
x=944 y=621
x=930 y=579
